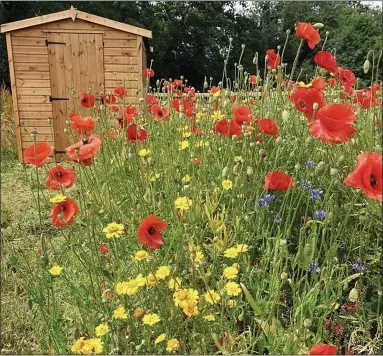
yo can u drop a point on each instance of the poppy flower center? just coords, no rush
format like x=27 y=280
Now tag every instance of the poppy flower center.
x=58 y=174
x=302 y=104
x=151 y=230
x=373 y=181
x=85 y=141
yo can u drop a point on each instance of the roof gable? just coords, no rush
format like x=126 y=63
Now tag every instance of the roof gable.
x=73 y=14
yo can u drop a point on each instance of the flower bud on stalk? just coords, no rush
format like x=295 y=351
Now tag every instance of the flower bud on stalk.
x=320 y=167
x=307 y=323
x=366 y=66
x=318 y=25
x=249 y=171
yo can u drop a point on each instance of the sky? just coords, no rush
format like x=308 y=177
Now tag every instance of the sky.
x=374 y=3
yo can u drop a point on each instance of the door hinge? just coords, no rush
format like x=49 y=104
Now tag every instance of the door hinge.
x=52 y=42
x=51 y=98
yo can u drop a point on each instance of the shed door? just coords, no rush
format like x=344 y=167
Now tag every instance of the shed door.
x=76 y=65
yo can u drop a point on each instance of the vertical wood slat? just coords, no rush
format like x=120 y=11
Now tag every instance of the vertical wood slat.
x=140 y=83
x=14 y=97
x=100 y=62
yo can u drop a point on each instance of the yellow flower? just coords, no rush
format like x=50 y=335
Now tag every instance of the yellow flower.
x=238 y=159
x=174 y=283
x=113 y=230
x=190 y=308
x=184 y=145
x=183 y=296
x=55 y=270
x=138 y=313
x=141 y=280
x=87 y=347
x=143 y=152
x=217 y=115
x=95 y=346
x=120 y=313
x=154 y=177
x=230 y=272
x=227 y=184
x=102 y=329
x=217 y=93
x=78 y=345
x=242 y=248
x=163 y=272
x=186 y=179
x=202 y=143
x=160 y=338
x=186 y=134
x=231 y=303
x=209 y=317
x=201 y=115
x=173 y=345
x=183 y=203
x=199 y=257
x=151 y=319
x=233 y=288
x=236 y=266
x=127 y=288
x=151 y=280
x=141 y=255
x=231 y=252
x=303 y=85
x=212 y=297
x=59 y=198
x=216 y=190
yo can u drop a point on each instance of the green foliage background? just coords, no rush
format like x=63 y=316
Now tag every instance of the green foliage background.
x=189 y=37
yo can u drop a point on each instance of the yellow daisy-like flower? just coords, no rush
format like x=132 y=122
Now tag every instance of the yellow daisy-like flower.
x=217 y=93
x=201 y=115
x=242 y=248
x=138 y=313
x=141 y=280
x=151 y=319
x=127 y=288
x=230 y=272
x=120 y=313
x=183 y=203
x=227 y=184
x=113 y=230
x=55 y=270
x=141 y=255
x=238 y=159
x=87 y=347
x=186 y=179
x=202 y=143
x=186 y=134
x=184 y=145
x=231 y=252
x=216 y=190
x=209 y=317
x=233 y=289
x=236 y=266
x=160 y=338
x=57 y=199
x=183 y=296
x=162 y=272
x=190 y=308
x=102 y=329
x=151 y=280
x=174 y=283
x=154 y=177
x=217 y=115
x=199 y=257
x=212 y=297
x=143 y=152
x=173 y=345
x=231 y=303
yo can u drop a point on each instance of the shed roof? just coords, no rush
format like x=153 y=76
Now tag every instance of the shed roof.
x=73 y=14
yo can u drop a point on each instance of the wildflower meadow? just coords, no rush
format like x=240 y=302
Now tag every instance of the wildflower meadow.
x=242 y=220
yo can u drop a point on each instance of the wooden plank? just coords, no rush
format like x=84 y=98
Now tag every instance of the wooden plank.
x=33 y=91
x=129 y=52
x=36 y=67
x=84 y=78
x=112 y=43
x=30 y=50
x=14 y=97
x=140 y=49
x=38 y=99
x=118 y=35
x=77 y=25
x=26 y=137
x=121 y=83
x=31 y=33
x=121 y=76
x=100 y=62
x=41 y=130
x=122 y=68
x=32 y=75
x=36 y=122
x=28 y=58
x=73 y=31
x=120 y=60
x=35 y=107
x=43 y=115
x=75 y=72
x=91 y=57
x=31 y=83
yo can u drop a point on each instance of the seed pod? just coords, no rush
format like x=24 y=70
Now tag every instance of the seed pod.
x=320 y=167
x=252 y=144
x=307 y=323
x=340 y=160
x=333 y=172
x=315 y=106
x=318 y=25
x=284 y=275
x=297 y=166
x=366 y=66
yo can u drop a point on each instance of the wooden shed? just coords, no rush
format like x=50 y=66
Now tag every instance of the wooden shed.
x=56 y=57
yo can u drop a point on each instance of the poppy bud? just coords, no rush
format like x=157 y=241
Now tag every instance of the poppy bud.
x=65 y=130
x=284 y=275
x=320 y=167
x=241 y=316
x=288 y=31
x=285 y=115
x=308 y=140
x=34 y=135
x=297 y=166
x=354 y=295
x=315 y=106
x=225 y=171
x=378 y=148
x=307 y=323
x=252 y=144
x=249 y=171
x=318 y=25
x=366 y=66
x=333 y=172
x=340 y=159
x=243 y=46
x=262 y=152
x=282 y=242
x=362 y=218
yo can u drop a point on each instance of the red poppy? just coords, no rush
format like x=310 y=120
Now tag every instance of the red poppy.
x=350 y=307
x=319 y=83
x=151 y=99
x=196 y=160
x=131 y=113
x=62 y=214
x=367 y=175
x=307 y=32
x=226 y=128
x=278 y=180
x=347 y=78
x=196 y=131
x=87 y=100
x=241 y=114
x=365 y=98
x=214 y=90
x=333 y=123
x=133 y=134
x=59 y=176
x=83 y=125
x=326 y=61
x=252 y=79
x=178 y=83
x=268 y=126
x=323 y=349
x=187 y=106
x=109 y=99
x=273 y=59
x=37 y=153
x=120 y=92
x=104 y=250
x=149 y=232
x=331 y=82
x=148 y=73
x=159 y=113
x=304 y=100
x=84 y=150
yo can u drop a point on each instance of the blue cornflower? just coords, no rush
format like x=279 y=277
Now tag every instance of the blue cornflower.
x=277 y=219
x=320 y=214
x=269 y=197
x=314 y=266
x=305 y=184
x=358 y=265
x=261 y=203
x=309 y=164
x=316 y=193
